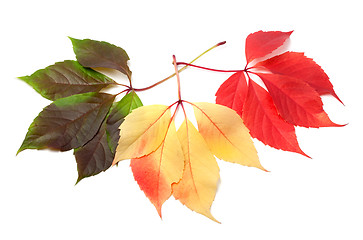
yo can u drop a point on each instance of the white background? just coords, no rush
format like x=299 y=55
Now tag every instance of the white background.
x=301 y=198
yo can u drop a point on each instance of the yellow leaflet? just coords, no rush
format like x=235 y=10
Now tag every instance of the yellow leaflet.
x=198 y=186
x=225 y=134
x=142 y=131
x=156 y=172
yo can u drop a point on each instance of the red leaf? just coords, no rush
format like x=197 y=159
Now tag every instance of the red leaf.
x=297 y=102
x=232 y=93
x=262 y=119
x=294 y=84
x=297 y=65
x=260 y=43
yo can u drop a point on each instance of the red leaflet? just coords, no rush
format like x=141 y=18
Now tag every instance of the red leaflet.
x=233 y=92
x=297 y=65
x=261 y=117
x=259 y=44
x=297 y=102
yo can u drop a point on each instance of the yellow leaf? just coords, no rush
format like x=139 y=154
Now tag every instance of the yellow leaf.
x=225 y=134
x=198 y=186
x=156 y=172
x=142 y=132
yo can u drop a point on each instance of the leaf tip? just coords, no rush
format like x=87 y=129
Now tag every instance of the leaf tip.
x=337 y=98
x=299 y=151
x=340 y=125
x=264 y=169
x=158 y=208
x=23 y=78
x=22 y=148
x=72 y=39
x=259 y=166
x=333 y=124
x=304 y=154
x=209 y=215
x=78 y=179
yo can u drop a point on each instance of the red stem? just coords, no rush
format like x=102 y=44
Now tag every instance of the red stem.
x=126 y=90
x=209 y=69
x=177 y=77
x=151 y=86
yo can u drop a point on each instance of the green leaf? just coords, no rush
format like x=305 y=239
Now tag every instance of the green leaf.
x=120 y=110
x=66 y=78
x=68 y=122
x=91 y=53
x=98 y=154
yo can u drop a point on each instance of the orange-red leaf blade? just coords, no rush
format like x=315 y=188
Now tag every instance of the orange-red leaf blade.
x=296 y=101
x=232 y=93
x=260 y=43
x=297 y=65
x=156 y=172
x=262 y=119
x=198 y=186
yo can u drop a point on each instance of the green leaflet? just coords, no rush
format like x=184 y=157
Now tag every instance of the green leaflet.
x=120 y=110
x=98 y=154
x=91 y=53
x=66 y=78
x=68 y=122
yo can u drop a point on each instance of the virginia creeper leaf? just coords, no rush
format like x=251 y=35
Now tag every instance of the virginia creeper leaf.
x=91 y=53
x=142 y=132
x=156 y=172
x=294 y=86
x=260 y=43
x=66 y=78
x=97 y=154
x=262 y=119
x=198 y=185
x=232 y=93
x=225 y=134
x=68 y=122
x=297 y=102
x=297 y=65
